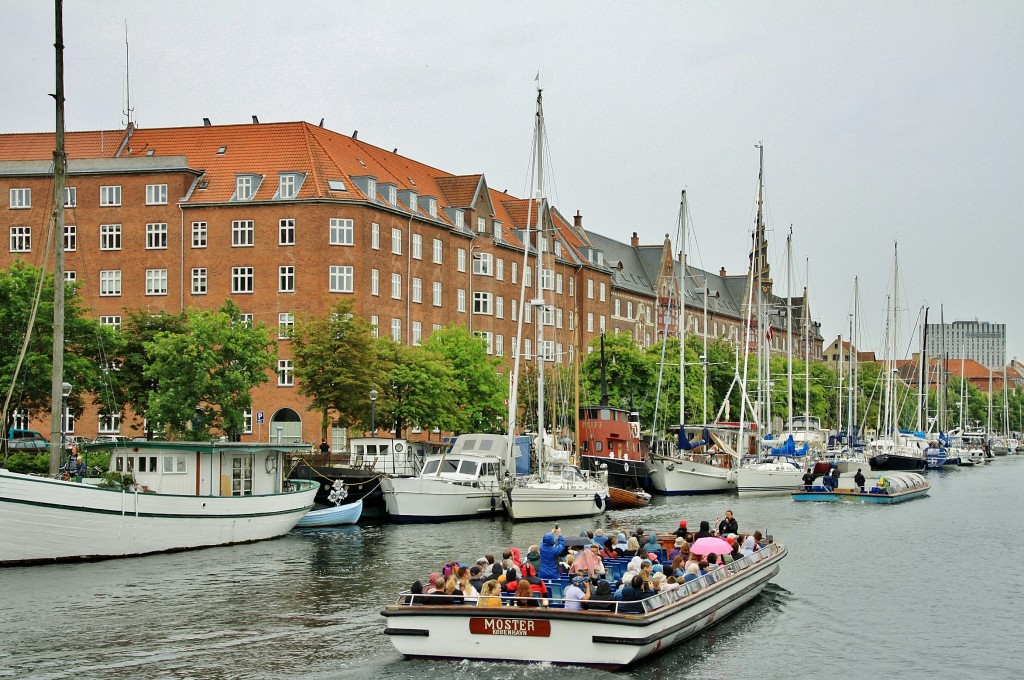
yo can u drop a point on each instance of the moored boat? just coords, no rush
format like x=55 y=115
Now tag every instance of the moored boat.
x=609 y=639
x=888 y=489
x=625 y=498
x=171 y=496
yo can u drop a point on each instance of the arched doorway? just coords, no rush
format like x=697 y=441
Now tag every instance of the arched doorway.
x=285 y=427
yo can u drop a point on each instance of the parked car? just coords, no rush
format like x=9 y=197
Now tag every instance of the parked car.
x=26 y=440
x=108 y=438
x=75 y=440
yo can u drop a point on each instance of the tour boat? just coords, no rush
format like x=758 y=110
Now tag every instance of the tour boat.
x=173 y=496
x=888 y=489
x=608 y=640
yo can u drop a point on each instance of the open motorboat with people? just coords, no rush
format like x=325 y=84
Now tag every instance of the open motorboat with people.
x=461 y=483
x=158 y=497
x=895 y=487
x=606 y=634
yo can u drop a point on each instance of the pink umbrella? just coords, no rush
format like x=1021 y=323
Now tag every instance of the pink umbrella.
x=710 y=544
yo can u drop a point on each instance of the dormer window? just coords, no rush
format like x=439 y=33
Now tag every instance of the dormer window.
x=246 y=186
x=393 y=195
x=460 y=219
x=288 y=185
x=432 y=207
x=371 y=188
x=409 y=198
x=498 y=232
x=481 y=225
x=558 y=248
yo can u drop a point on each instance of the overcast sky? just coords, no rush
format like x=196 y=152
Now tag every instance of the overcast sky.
x=881 y=121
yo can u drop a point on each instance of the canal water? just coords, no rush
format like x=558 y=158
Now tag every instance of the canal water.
x=930 y=589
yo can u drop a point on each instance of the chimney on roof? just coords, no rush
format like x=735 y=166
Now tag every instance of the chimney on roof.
x=255 y=119
x=635 y=240
x=206 y=122
x=395 y=150
x=355 y=134
x=321 y=122
x=721 y=272
x=577 y=220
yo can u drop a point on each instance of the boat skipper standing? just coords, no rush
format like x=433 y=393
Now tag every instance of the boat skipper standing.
x=858 y=479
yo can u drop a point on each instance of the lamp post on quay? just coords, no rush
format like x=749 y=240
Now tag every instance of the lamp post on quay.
x=373 y=413
x=65 y=392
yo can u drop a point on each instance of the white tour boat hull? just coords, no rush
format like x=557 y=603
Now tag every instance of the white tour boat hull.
x=677 y=476
x=585 y=638
x=48 y=520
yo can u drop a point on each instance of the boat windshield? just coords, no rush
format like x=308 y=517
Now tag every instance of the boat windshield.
x=468 y=467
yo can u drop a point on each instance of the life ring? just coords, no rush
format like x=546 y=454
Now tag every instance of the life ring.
x=398 y=447
x=597 y=500
x=625 y=467
x=270 y=464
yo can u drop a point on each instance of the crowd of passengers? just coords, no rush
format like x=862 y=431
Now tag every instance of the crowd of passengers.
x=522 y=578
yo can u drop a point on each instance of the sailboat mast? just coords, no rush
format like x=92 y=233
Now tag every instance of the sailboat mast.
x=922 y=409
x=59 y=173
x=807 y=346
x=682 y=311
x=789 y=328
x=855 y=342
x=538 y=301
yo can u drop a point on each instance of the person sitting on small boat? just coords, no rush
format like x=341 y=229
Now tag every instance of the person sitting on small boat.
x=691 y=572
x=517 y=559
x=599 y=536
x=749 y=546
x=729 y=525
x=465 y=585
x=509 y=581
x=737 y=553
x=436 y=592
x=620 y=544
x=808 y=480
x=510 y=564
x=859 y=480
x=631 y=596
x=495 y=574
x=704 y=531
x=681 y=532
x=577 y=592
x=524 y=596
x=652 y=545
x=550 y=551
x=490 y=596
x=601 y=597
x=759 y=540
x=714 y=567
x=476 y=579
x=431 y=583
x=677 y=548
x=632 y=547
x=415 y=593
x=608 y=551
x=647 y=573
x=453 y=592
x=533 y=556
x=677 y=567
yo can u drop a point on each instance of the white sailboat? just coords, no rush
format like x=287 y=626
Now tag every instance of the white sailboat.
x=692 y=468
x=558 y=488
x=174 y=495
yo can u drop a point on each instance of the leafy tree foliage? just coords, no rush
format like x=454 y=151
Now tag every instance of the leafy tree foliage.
x=480 y=389
x=132 y=386
x=419 y=389
x=204 y=376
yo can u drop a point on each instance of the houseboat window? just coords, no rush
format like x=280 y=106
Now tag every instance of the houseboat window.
x=491 y=469
x=431 y=467
x=598 y=447
x=451 y=465
x=147 y=464
x=606 y=414
x=584 y=446
x=174 y=464
x=119 y=464
x=468 y=467
x=241 y=476
x=359 y=449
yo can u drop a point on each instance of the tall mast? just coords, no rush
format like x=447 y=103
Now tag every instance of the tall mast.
x=807 y=346
x=895 y=333
x=789 y=328
x=839 y=392
x=855 y=342
x=922 y=409
x=538 y=301
x=850 y=412
x=682 y=311
x=60 y=160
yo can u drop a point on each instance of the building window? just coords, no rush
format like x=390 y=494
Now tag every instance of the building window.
x=156 y=194
x=110 y=196
x=396 y=286
x=515 y=271
x=396 y=241
x=461 y=305
x=461 y=259
x=499 y=345
x=285 y=324
x=342 y=232
x=70 y=276
x=499 y=307
x=417 y=290
x=417 y=246
x=286 y=232
x=199 y=281
x=527 y=349
x=547 y=279
x=110 y=283
x=590 y=322
x=374 y=282
x=396 y=330
x=375 y=326
x=618 y=307
x=286 y=279
x=243 y=280
x=558 y=283
x=243 y=188
x=481 y=225
x=483 y=264
x=285 y=373
x=437 y=293
x=488 y=338
x=499 y=269
x=515 y=310
x=528 y=276
x=70 y=237
x=572 y=287
x=156 y=282
x=438 y=251
x=111 y=321
x=286 y=187
x=246 y=320
x=590 y=289
x=110 y=237
x=602 y=289
x=243 y=233
x=417 y=332
x=109 y=423
x=199 y=234
x=156 y=236
x=482 y=303
x=340 y=279
x=375 y=236
x=246 y=421
x=70 y=197
x=21 y=239
x=21 y=199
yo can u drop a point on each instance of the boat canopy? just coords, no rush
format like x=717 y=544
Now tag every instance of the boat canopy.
x=686 y=444
x=788 y=448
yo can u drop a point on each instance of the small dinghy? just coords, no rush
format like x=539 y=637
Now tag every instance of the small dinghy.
x=336 y=516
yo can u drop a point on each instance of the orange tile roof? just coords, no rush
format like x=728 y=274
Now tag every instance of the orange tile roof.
x=38 y=146
x=460 y=191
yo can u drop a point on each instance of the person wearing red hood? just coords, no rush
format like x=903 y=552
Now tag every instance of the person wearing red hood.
x=550 y=551
x=681 y=532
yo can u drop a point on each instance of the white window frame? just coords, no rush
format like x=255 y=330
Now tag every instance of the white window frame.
x=244 y=188
x=483 y=264
x=21 y=239
x=417 y=290
x=417 y=333
x=396 y=330
x=286 y=231
x=243 y=280
x=461 y=306
x=499 y=345
x=285 y=324
x=341 y=279
x=156 y=282
x=287 y=186
x=396 y=286
x=461 y=260
x=438 y=294
x=285 y=373
x=438 y=251
x=111 y=322
x=110 y=283
x=199 y=234
x=342 y=231
x=70 y=238
x=417 y=246
x=200 y=281
x=499 y=269
x=483 y=303
x=21 y=198
x=286 y=278
x=156 y=236
x=109 y=423
x=156 y=194
x=70 y=197
x=499 y=307
x=110 y=237
x=396 y=241
x=375 y=236
x=243 y=233
x=110 y=196
x=375 y=282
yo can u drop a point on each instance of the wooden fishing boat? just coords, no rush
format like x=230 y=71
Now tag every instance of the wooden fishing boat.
x=332 y=517
x=624 y=498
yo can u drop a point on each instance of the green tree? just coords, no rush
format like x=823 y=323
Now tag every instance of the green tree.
x=336 y=364
x=480 y=389
x=132 y=385
x=204 y=376
x=419 y=389
x=629 y=373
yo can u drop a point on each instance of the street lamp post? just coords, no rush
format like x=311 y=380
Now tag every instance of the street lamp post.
x=65 y=392
x=373 y=411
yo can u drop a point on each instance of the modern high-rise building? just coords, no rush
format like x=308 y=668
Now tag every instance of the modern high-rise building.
x=980 y=341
